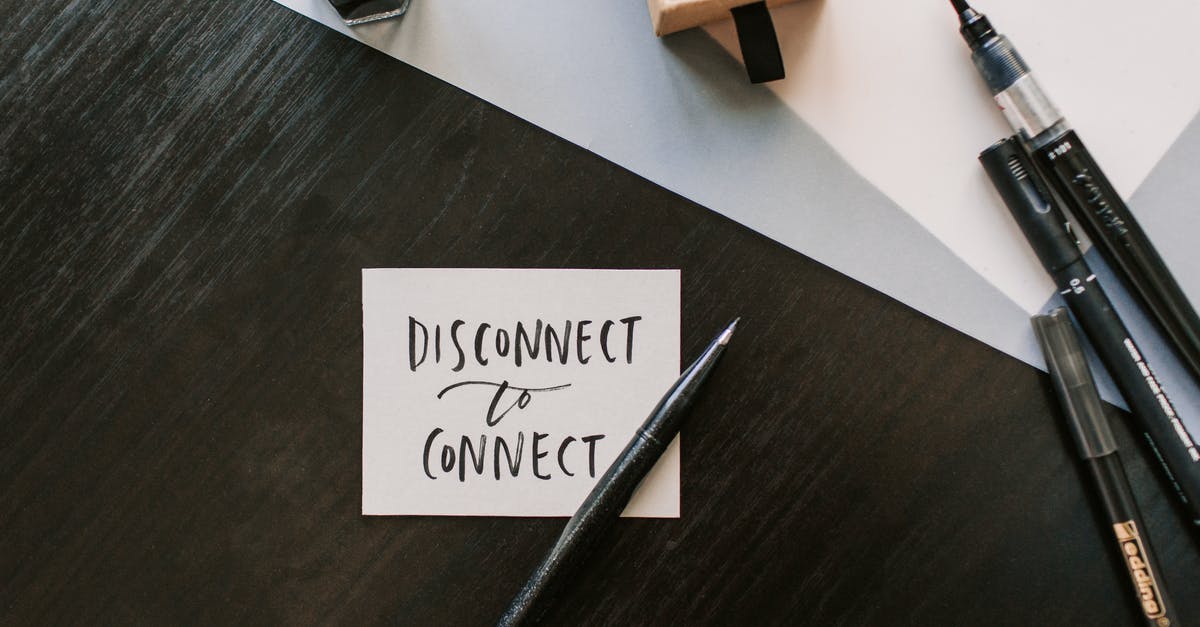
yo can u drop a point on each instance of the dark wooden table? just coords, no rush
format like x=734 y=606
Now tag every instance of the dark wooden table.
x=187 y=194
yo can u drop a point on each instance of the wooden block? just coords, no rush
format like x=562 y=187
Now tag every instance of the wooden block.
x=671 y=16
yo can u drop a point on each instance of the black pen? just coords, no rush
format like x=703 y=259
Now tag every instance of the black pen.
x=1085 y=418
x=613 y=490
x=1077 y=178
x=1046 y=228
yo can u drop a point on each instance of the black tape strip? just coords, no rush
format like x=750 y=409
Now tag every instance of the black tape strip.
x=760 y=47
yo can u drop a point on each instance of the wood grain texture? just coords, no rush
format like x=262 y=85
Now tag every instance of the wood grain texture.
x=187 y=194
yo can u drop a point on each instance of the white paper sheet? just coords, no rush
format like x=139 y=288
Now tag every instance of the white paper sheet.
x=678 y=111
x=519 y=408
x=891 y=86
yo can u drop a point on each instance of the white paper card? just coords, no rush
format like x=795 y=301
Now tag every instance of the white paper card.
x=493 y=392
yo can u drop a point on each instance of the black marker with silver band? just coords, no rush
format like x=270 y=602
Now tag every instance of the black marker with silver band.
x=1046 y=228
x=1063 y=159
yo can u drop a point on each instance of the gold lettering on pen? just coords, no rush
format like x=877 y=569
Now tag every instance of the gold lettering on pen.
x=1134 y=554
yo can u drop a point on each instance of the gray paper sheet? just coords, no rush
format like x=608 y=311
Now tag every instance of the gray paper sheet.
x=688 y=121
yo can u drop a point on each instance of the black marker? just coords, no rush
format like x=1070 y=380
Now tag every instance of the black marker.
x=1081 y=407
x=1046 y=228
x=614 y=489
x=1077 y=178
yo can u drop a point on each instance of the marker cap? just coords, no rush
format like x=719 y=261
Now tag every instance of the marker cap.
x=1031 y=204
x=1074 y=384
x=355 y=12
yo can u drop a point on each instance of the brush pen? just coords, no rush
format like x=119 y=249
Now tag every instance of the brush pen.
x=1046 y=228
x=1076 y=390
x=1074 y=174
x=614 y=489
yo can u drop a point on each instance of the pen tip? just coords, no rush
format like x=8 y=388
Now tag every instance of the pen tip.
x=960 y=5
x=728 y=332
